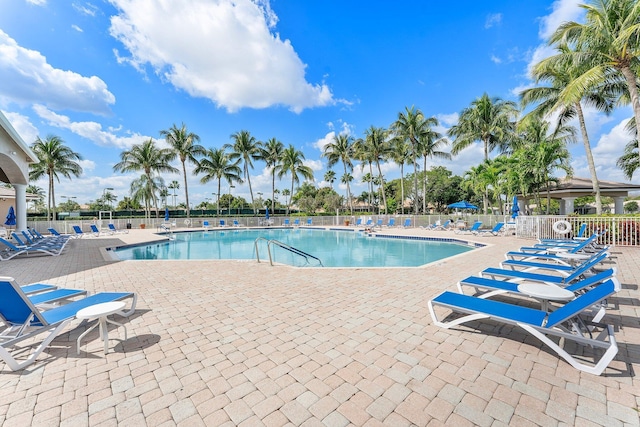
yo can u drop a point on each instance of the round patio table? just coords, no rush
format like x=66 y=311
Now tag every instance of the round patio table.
x=100 y=312
x=544 y=293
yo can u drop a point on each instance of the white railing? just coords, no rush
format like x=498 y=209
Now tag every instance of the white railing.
x=621 y=231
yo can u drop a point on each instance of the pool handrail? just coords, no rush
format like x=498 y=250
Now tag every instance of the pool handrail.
x=291 y=249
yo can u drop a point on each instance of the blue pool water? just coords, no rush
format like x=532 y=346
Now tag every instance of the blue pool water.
x=333 y=248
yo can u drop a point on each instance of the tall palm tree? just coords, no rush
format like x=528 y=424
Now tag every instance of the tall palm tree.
x=429 y=145
x=330 y=177
x=412 y=126
x=271 y=153
x=293 y=163
x=341 y=149
x=247 y=148
x=401 y=155
x=36 y=191
x=184 y=146
x=378 y=145
x=149 y=159
x=559 y=71
x=144 y=189
x=366 y=158
x=54 y=159
x=608 y=40
x=488 y=120
x=629 y=162
x=174 y=185
x=217 y=164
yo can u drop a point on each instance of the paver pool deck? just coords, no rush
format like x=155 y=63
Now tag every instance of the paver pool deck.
x=241 y=343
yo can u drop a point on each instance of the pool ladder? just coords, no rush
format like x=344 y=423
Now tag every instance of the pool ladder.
x=284 y=246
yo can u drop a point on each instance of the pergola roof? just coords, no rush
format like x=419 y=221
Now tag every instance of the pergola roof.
x=580 y=187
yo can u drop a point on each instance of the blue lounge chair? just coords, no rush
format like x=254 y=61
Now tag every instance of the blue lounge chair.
x=407 y=223
x=222 y=223
x=369 y=223
x=55 y=296
x=549 y=262
x=13 y=250
x=286 y=222
x=236 y=223
x=296 y=222
x=474 y=228
x=358 y=222
x=38 y=243
x=24 y=320
x=561 y=278
x=570 y=246
x=113 y=229
x=205 y=224
x=541 y=324
x=379 y=223
x=392 y=222
x=444 y=226
x=95 y=230
x=309 y=221
x=55 y=233
x=37 y=288
x=79 y=233
x=497 y=229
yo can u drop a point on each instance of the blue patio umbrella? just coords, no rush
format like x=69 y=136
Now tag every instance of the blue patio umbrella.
x=515 y=209
x=166 y=213
x=462 y=205
x=11 y=217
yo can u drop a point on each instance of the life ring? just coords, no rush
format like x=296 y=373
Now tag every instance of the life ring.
x=562 y=227
x=187 y=222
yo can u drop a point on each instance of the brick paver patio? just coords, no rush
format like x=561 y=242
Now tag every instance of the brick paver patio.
x=241 y=343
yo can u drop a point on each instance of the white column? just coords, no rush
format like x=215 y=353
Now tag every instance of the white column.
x=568 y=205
x=21 y=206
x=619 y=205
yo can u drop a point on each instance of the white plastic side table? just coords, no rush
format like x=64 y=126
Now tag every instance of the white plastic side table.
x=544 y=293
x=100 y=312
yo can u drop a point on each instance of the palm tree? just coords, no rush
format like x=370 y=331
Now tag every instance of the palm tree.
x=330 y=177
x=36 y=191
x=401 y=155
x=271 y=153
x=144 y=189
x=175 y=185
x=412 y=126
x=149 y=159
x=377 y=144
x=184 y=146
x=559 y=71
x=54 y=159
x=108 y=198
x=341 y=149
x=489 y=120
x=293 y=163
x=429 y=147
x=629 y=162
x=608 y=40
x=247 y=148
x=217 y=164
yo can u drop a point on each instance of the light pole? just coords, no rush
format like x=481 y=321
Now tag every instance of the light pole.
x=230 y=187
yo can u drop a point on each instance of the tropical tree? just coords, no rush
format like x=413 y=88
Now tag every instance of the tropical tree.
x=107 y=198
x=609 y=41
x=144 y=189
x=488 y=120
x=293 y=163
x=150 y=160
x=36 y=191
x=429 y=145
x=217 y=164
x=247 y=148
x=54 y=160
x=174 y=185
x=378 y=145
x=271 y=153
x=341 y=149
x=330 y=177
x=559 y=71
x=629 y=162
x=401 y=154
x=184 y=145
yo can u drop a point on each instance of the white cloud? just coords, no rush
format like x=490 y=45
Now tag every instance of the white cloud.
x=496 y=60
x=34 y=80
x=324 y=141
x=87 y=165
x=563 y=11
x=23 y=126
x=493 y=20
x=315 y=165
x=37 y=2
x=86 y=9
x=78 y=29
x=448 y=119
x=90 y=130
x=227 y=53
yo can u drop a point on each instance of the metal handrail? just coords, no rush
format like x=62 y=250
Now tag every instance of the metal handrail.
x=291 y=249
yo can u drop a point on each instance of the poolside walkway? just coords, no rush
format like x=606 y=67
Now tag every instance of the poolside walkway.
x=240 y=343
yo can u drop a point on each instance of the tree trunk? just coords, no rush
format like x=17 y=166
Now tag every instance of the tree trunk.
x=424 y=188
x=246 y=174
x=273 y=190
x=384 y=196
x=415 y=185
x=592 y=165
x=349 y=201
x=630 y=77
x=186 y=189
x=402 y=188
x=218 y=201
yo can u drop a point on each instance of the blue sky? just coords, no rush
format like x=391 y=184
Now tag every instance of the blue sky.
x=106 y=74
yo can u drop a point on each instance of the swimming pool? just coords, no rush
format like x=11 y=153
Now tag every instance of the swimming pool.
x=335 y=248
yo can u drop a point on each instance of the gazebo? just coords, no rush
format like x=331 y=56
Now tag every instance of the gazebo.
x=15 y=156
x=569 y=189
